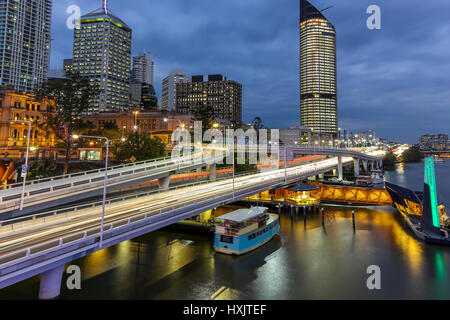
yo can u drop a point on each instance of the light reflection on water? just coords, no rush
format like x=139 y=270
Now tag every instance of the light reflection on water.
x=305 y=262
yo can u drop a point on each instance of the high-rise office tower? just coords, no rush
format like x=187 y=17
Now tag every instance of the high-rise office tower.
x=143 y=68
x=102 y=52
x=318 y=87
x=24 y=43
x=169 y=88
x=142 y=92
x=223 y=97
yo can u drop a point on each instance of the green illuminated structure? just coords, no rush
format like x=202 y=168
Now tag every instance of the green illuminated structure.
x=430 y=181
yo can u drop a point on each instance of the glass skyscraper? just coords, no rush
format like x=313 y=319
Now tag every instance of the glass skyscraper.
x=318 y=85
x=102 y=52
x=24 y=43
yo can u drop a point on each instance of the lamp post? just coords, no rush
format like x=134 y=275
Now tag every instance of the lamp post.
x=105 y=180
x=26 y=160
x=233 y=175
x=136 y=113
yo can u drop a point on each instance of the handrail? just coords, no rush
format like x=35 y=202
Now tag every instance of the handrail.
x=83 y=173
x=177 y=162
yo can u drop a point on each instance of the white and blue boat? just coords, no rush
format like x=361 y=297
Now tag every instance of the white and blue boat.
x=244 y=230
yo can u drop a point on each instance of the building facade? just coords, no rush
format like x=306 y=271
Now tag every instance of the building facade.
x=142 y=92
x=295 y=136
x=68 y=65
x=143 y=68
x=438 y=142
x=16 y=105
x=156 y=123
x=102 y=52
x=222 y=96
x=169 y=88
x=318 y=81
x=24 y=43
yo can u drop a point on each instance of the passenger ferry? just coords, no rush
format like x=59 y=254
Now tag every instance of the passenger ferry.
x=244 y=230
x=421 y=211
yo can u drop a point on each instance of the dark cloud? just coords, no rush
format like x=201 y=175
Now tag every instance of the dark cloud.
x=394 y=80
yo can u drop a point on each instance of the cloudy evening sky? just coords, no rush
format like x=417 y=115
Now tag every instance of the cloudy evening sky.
x=395 y=80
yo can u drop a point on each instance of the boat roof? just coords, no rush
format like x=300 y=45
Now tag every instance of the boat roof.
x=243 y=214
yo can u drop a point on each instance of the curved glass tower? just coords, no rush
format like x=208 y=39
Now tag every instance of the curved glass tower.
x=318 y=87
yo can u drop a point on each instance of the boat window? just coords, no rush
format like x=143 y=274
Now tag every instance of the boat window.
x=226 y=239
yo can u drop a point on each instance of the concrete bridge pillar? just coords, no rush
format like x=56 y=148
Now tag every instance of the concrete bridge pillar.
x=340 y=169
x=164 y=183
x=372 y=165
x=356 y=166
x=212 y=170
x=381 y=164
x=365 y=165
x=51 y=283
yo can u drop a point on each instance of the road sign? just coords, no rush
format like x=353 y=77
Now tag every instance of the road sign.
x=24 y=171
x=133 y=159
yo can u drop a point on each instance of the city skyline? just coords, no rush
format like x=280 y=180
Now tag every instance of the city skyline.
x=384 y=76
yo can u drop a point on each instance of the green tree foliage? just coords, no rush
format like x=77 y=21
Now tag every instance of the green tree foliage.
x=204 y=114
x=139 y=146
x=42 y=170
x=70 y=98
x=389 y=161
x=411 y=155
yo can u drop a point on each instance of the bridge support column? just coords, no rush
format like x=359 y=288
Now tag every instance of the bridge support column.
x=365 y=165
x=356 y=166
x=340 y=169
x=381 y=164
x=372 y=165
x=212 y=170
x=164 y=183
x=51 y=283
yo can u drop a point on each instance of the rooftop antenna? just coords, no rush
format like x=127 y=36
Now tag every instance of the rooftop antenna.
x=326 y=8
x=105 y=5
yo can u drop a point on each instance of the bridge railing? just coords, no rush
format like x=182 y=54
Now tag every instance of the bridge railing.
x=65 y=211
x=177 y=164
x=93 y=233
x=83 y=173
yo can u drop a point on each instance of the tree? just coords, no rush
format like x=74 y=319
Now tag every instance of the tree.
x=139 y=146
x=411 y=155
x=70 y=98
x=204 y=114
x=389 y=161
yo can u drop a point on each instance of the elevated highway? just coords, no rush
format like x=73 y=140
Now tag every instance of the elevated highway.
x=49 y=192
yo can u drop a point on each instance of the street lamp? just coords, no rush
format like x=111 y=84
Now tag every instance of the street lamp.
x=105 y=180
x=136 y=113
x=26 y=160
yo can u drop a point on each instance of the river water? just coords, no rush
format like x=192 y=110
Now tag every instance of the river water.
x=305 y=261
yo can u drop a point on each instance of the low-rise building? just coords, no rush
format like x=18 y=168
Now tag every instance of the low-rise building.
x=295 y=136
x=157 y=123
x=23 y=107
